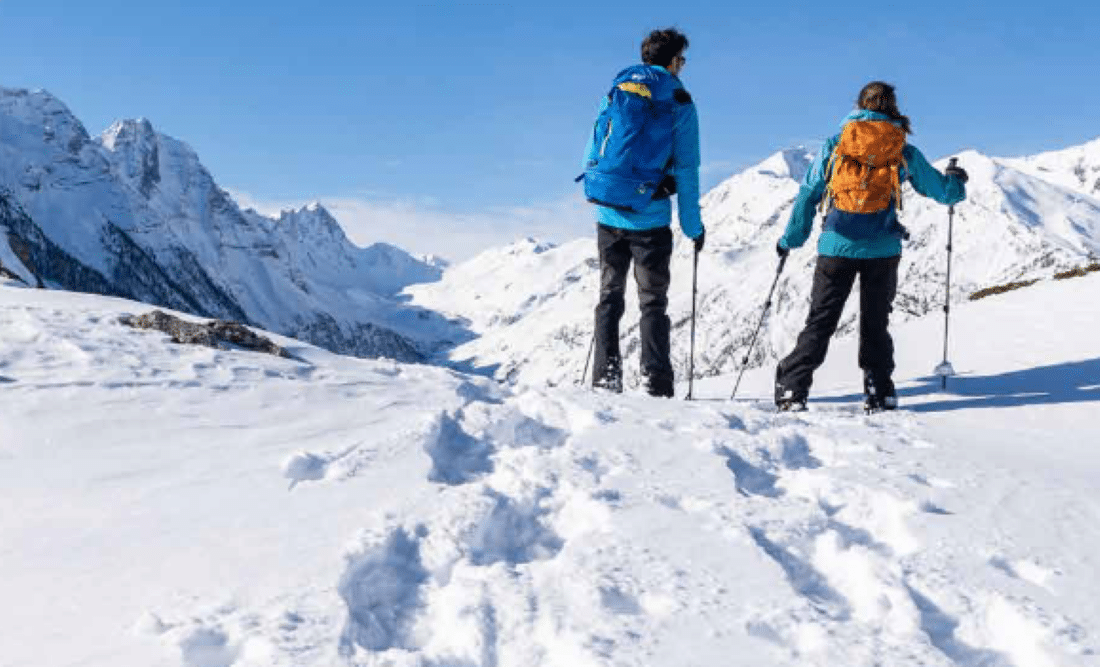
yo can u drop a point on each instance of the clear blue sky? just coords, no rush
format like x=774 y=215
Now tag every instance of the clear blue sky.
x=467 y=107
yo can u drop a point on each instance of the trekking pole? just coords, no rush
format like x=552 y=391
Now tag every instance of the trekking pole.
x=945 y=369
x=694 y=293
x=587 y=359
x=752 y=343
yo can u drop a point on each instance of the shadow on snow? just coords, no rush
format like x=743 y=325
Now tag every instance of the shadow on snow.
x=1070 y=382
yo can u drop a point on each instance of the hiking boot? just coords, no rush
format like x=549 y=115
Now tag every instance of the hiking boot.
x=791 y=405
x=658 y=386
x=789 y=400
x=610 y=378
x=878 y=396
x=872 y=404
x=609 y=383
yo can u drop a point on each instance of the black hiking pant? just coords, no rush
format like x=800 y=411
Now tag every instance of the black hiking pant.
x=651 y=252
x=833 y=281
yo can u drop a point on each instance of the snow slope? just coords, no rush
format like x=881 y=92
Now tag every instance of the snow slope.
x=531 y=305
x=180 y=506
x=1077 y=168
x=134 y=213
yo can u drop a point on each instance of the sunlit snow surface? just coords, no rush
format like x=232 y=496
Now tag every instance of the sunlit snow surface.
x=181 y=506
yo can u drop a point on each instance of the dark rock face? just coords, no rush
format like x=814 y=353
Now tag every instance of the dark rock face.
x=4 y=273
x=135 y=275
x=138 y=276
x=216 y=334
x=48 y=262
x=363 y=340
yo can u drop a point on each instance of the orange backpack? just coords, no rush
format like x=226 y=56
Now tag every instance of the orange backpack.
x=864 y=171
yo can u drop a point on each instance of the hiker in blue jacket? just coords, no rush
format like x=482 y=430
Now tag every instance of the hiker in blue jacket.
x=856 y=179
x=644 y=148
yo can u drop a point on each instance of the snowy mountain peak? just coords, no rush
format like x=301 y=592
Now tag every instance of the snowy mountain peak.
x=530 y=245
x=313 y=221
x=44 y=115
x=129 y=131
x=1077 y=168
x=135 y=149
x=790 y=163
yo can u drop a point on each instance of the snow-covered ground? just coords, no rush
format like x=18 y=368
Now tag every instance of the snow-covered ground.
x=181 y=506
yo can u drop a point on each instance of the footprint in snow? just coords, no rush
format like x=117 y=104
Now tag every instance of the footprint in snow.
x=208 y=647
x=929 y=507
x=803 y=578
x=382 y=591
x=940 y=628
x=513 y=532
x=795 y=453
x=457 y=457
x=618 y=601
x=474 y=393
x=749 y=479
x=1024 y=570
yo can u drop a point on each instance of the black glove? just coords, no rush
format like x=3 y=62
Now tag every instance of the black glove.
x=780 y=250
x=666 y=188
x=958 y=172
x=700 y=241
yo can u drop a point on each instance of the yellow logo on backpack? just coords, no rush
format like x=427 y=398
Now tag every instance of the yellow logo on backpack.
x=864 y=171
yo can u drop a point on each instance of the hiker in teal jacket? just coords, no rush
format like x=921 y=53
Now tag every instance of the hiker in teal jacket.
x=885 y=238
x=867 y=245
x=662 y=151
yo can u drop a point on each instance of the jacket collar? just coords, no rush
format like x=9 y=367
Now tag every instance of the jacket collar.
x=863 y=114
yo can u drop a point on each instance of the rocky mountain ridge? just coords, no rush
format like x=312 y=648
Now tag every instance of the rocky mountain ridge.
x=134 y=213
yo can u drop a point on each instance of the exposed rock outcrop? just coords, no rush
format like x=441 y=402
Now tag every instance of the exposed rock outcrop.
x=217 y=333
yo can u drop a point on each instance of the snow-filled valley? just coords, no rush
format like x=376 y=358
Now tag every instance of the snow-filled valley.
x=184 y=506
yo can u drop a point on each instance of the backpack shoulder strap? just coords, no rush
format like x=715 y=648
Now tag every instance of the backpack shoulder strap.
x=830 y=169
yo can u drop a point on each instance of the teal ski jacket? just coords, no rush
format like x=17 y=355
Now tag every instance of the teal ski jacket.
x=869 y=235
x=684 y=166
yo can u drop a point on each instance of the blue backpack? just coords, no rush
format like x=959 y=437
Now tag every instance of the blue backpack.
x=634 y=139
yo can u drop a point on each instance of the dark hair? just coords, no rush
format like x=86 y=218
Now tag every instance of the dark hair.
x=880 y=96
x=662 y=46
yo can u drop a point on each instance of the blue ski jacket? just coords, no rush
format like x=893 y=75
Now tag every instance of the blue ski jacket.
x=868 y=235
x=684 y=166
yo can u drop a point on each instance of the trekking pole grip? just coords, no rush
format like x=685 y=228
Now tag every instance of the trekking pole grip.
x=951 y=164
